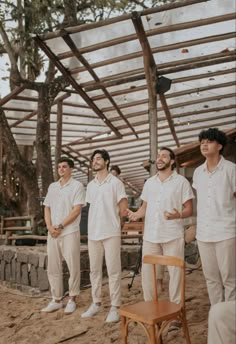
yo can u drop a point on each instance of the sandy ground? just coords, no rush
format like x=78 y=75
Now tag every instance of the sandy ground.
x=21 y=321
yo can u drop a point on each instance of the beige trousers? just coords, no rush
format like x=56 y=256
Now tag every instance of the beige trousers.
x=67 y=247
x=222 y=323
x=171 y=248
x=111 y=248
x=218 y=264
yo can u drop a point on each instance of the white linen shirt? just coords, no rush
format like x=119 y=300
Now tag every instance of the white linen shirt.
x=216 y=211
x=61 y=200
x=172 y=193
x=103 y=218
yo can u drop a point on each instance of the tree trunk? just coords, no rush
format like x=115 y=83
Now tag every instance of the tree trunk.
x=24 y=169
x=43 y=144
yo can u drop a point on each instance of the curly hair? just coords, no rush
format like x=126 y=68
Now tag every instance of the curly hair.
x=214 y=134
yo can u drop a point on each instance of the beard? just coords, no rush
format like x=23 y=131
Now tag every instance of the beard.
x=164 y=167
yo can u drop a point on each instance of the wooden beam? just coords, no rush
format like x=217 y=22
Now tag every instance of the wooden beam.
x=33 y=113
x=12 y=95
x=94 y=25
x=157 y=31
x=87 y=66
x=58 y=136
x=74 y=84
x=151 y=77
x=164 y=48
x=167 y=68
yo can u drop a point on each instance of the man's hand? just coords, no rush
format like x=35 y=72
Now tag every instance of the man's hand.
x=172 y=216
x=132 y=215
x=54 y=231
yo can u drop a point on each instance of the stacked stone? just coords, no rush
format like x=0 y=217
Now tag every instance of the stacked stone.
x=22 y=267
x=28 y=269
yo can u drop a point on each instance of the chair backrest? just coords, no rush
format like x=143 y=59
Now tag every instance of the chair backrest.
x=155 y=259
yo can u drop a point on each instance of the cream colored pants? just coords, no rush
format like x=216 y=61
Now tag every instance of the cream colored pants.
x=111 y=248
x=222 y=323
x=218 y=264
x=171 y=248
x=67 y=247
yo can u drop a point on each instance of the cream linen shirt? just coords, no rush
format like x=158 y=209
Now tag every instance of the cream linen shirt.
x=103 y=218
x=216 y=211
x=61 y=200
x=160 y=196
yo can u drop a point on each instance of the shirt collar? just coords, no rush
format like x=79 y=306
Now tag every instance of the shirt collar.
x=67 y=183
x=219 y=166
x=173 y=175
x=106 y=180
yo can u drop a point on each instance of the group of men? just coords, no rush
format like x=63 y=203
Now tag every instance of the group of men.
x=167 y=199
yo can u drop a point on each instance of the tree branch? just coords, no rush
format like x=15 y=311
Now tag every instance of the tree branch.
x=15 y=75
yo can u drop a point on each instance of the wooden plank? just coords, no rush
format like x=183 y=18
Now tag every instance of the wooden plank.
x=17 y=228
x=15 y=218
x=132 y=227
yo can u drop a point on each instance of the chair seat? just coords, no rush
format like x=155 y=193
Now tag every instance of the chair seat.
x=151 y=312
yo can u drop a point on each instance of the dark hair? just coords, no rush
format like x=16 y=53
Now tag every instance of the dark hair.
x=104 y=155
x=172 y=156
x=115 y=168
x=214 y=134
x=70 y=162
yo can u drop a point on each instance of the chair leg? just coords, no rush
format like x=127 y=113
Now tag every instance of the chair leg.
x=159 y=336
x=152 y=333
x=185 y=330
x=124 y=330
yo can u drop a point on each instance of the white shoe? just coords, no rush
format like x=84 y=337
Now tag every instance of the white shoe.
x=70 y=307
x=91 y=311
x=52 y=307
x=113 y=315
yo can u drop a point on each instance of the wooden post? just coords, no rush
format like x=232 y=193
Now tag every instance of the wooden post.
x=58 y=136
x=1 y=151
x=151 y=77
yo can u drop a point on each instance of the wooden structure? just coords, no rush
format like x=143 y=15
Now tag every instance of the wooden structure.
x=156 y=315
x=132 y=230
x=112 y=67
x=16 y=224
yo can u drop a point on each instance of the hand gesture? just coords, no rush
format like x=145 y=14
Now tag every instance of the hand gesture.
x=172 y=216
x=54 y=231
x=132 y=215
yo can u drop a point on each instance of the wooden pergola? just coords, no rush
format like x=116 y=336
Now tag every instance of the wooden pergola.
x=113 y=67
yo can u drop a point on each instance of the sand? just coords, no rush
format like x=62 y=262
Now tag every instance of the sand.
x=21 y=321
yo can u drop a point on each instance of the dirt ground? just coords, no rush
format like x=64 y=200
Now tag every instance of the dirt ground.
x=21 y=321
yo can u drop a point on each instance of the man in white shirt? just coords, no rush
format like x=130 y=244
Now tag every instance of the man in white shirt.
x=108 y=205
x=221 y=323
x=167 y=199
x=215 y=184
x=62 y=212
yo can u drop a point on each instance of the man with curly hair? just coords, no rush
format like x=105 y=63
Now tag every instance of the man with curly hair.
x=215 y=184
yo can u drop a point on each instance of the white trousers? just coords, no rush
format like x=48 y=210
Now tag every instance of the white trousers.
x=171 y=248
x=221 y=323
x=111 y=247
x=218 y=264
x=67 y=247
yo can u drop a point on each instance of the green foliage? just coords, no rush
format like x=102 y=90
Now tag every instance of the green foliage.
x=23 y=18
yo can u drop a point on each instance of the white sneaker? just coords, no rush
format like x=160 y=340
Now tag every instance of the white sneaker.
x=70 y=307
x=113 y=315
x=52 y=307
x=91 y=311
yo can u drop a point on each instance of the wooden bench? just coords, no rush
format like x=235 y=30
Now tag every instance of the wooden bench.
x=11 y=225
x=132 y=230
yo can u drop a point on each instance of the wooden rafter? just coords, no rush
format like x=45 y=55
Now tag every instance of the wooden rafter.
x=76 y=86
x=82 y=60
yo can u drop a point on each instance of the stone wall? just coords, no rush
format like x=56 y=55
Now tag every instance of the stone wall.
x=27 y=266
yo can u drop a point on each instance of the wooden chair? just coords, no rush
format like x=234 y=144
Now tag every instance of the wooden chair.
x=152 y=315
